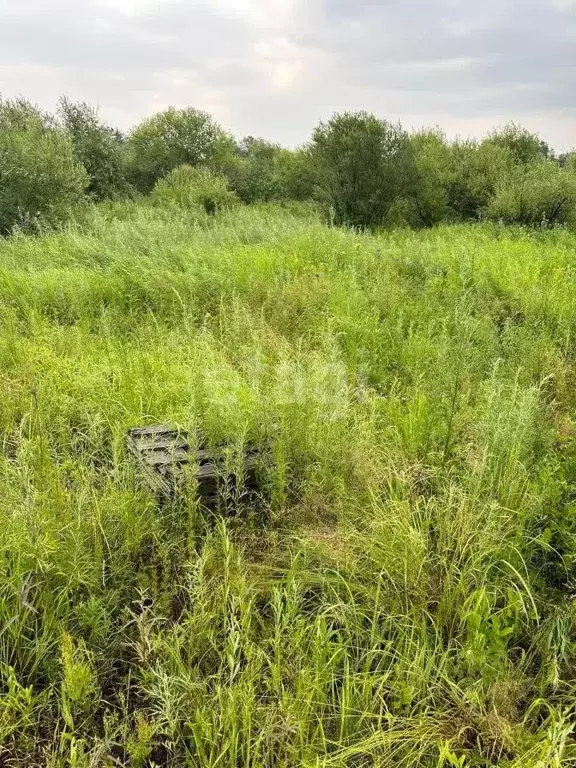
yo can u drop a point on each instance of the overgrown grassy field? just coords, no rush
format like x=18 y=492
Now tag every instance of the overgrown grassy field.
x=402 y=595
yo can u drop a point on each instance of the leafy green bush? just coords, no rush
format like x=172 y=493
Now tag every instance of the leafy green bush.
x=172 y=138
x=251 y=173
x=363 y=165
x=474 y=172
x=524 y=147
x=40 y=177
x=262 y=172
x=541 y=193
x=195 y=188
x=295 y=174
x=97 y=147
x=432 y=177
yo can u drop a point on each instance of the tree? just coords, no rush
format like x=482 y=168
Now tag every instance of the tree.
x=362 y=165
x=172 y=138
x=40 y=177
x=474 y=172
x=539 y=194
x=20 y=115
x=524 y=147
x=97 y=147
x=431 y=179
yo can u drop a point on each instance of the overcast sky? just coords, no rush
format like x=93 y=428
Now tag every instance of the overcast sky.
x=273 y=68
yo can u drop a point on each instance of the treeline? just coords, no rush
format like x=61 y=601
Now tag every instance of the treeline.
x=362 y=171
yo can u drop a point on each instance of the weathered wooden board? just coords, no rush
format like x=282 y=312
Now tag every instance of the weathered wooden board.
x=162 y=453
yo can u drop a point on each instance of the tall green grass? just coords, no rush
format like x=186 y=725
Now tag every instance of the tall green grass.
x=402 y=595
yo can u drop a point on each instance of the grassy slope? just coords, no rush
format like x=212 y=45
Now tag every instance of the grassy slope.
x=408 y=601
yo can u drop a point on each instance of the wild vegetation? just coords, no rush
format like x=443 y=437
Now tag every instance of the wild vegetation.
x=401 y=595
x=357 y=169
x=401 y=592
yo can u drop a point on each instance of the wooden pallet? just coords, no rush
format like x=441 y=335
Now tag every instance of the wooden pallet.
x=164 y=459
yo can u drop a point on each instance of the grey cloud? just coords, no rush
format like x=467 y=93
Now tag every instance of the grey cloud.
x=274 y=67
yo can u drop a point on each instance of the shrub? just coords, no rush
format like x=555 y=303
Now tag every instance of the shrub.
x=172 y=138
x=523 y=146
x=294 y=174
x=539 y=194
x=432 y=175
x=474 y=172
x=40 y=177
x=262 y=172
x=252 y=173
x=97 y=147
x=362 y=165
x=195 y=188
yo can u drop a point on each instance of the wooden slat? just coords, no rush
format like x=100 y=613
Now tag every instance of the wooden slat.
x=160 y=444
x=162 y=458
x=163 y=453
x=154 y=429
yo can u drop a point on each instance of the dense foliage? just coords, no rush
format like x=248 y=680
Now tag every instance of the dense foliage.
x=41 y=179
x=400 y=595
x=361 y=171
x=362 y=166
x=97 y=147
x=172 y=138
x=263 y=172
x=538 y=193
x=194 y=189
